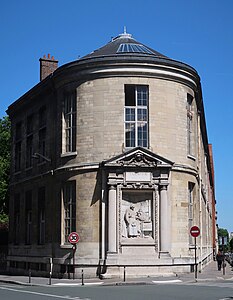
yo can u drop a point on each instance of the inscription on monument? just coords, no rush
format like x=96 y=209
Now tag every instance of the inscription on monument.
x=138 y=176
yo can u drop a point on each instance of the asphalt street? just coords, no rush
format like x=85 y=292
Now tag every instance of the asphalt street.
x=211 y=284
x=181 y=291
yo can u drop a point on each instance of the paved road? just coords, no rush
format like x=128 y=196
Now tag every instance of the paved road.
x=180 y=291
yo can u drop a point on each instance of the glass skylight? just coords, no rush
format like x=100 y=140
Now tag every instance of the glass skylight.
x=129 y=47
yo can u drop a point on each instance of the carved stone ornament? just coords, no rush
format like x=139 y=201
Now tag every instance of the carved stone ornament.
x=138 y=160
x=138 y=157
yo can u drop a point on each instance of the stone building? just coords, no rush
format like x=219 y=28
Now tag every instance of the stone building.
x=112 y=146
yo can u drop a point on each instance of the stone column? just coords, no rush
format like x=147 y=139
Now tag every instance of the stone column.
x=112 y=219
x=164 y=221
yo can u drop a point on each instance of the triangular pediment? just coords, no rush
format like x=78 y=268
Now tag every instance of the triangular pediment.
x=138 y=157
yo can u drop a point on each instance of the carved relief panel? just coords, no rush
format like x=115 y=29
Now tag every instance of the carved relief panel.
x=137 y=211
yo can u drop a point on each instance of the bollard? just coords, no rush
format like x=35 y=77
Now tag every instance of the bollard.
x=82 y=278
x=29 y=275
x=50 y=270
x=124 y=273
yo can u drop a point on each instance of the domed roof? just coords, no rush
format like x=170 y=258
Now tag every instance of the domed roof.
x=124 y=44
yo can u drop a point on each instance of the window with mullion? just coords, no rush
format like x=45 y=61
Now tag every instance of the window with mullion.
x=136 y=116
x=16 y=218
x=70 y=122
x=28 y=217
x=69 y=198
x=190 y=208
x=190 y=134
x=41 y=216
x=29 y=151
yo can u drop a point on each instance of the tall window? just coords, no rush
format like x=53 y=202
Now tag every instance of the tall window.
x=42 y=117
x=41 y=215
x=18 y=144
x=136 y=115
x=70 y=122
x=28 y=217
x=42 y=132
x=29 y=142
x=69 y=202
x=29 y=151
x=190 y=140
x=42 y=143
x=190 y=208
x=16 y=218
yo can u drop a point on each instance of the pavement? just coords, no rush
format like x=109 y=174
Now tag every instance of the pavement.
x=209 y=273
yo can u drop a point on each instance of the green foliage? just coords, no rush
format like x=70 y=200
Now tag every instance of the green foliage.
x=5 y=137
x=222 y=232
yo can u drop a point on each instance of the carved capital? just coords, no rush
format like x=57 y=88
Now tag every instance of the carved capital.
x=163 y=187
x=112 y=187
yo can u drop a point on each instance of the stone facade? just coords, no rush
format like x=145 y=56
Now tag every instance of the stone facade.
x=72 y=169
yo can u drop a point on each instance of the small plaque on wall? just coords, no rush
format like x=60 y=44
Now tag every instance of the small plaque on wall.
x=138 y=176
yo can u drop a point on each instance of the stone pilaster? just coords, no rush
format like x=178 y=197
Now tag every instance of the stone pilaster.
x=112 y=220
x=164 y=221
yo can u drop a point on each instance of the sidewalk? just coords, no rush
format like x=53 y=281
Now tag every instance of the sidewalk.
x=209 y=273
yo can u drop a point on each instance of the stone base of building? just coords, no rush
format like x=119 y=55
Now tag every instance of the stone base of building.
x=113 y=267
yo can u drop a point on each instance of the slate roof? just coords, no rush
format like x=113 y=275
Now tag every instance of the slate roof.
x=113 y=48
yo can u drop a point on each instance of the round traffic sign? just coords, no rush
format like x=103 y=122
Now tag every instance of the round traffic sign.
x=195 y=231
x=73 y=238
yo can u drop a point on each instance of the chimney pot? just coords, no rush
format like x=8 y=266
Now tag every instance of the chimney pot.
x=47 y=66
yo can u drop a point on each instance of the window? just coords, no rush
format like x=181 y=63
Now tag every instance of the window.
x=28 y=218
x=69 y=204
x=18 y=143
x=42 y=143
x=70 y=122
x=29 y=141
x=42 y=117
x=29 y=151
x=136 y=115
x=190 y=139
x=16 y=218
x=41 y=216
x=18 y=156
x=30 y=124
x=18 y=131
x=190 y=208
x=42 y=133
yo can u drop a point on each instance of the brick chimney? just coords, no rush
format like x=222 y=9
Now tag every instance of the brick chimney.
x=47 y=66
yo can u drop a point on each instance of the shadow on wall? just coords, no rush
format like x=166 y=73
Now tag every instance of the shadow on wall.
x=97 y=190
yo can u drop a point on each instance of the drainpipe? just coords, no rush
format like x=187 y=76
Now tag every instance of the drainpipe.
x=200 y=182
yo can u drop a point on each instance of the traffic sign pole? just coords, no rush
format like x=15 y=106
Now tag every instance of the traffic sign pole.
x=195 y=257
x=73 y=238
x=195 y=232
x=74 y=251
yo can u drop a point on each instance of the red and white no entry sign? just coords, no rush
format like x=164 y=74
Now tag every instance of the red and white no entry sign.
x=195 y=231
x=73 y=238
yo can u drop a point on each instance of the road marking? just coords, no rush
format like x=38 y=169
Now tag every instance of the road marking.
x=77 y=284
x=167 y=281
x=42 y=294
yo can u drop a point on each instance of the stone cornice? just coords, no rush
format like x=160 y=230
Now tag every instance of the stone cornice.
x=184 y=169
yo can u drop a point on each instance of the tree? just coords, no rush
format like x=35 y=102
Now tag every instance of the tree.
x=5 y=136
x=223 y=233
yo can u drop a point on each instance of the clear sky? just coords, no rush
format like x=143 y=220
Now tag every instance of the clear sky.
x=197 y=32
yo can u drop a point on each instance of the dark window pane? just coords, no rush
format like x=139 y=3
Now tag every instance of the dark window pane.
x=130 y=95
